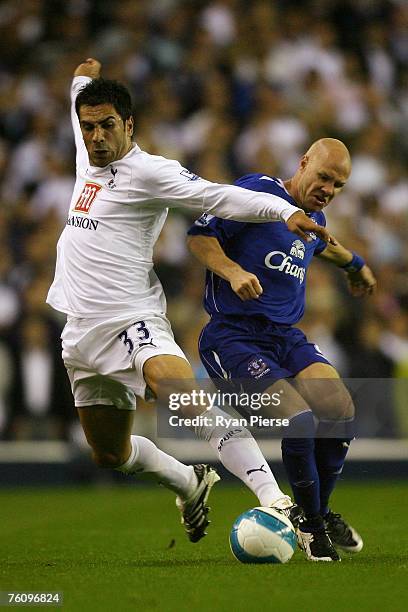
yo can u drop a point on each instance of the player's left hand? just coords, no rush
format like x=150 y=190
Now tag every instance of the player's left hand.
x=301 y=225
x=362 y=282
x=90 y=68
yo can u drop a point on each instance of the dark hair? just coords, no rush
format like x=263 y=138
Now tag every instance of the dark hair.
x=104 y=91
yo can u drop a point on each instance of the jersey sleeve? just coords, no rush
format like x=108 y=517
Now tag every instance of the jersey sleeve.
x=214 y=227
x=170 y=184
x=320 y=244
x=81 y=153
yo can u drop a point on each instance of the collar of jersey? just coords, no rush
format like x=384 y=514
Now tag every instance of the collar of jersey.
x=281 y=184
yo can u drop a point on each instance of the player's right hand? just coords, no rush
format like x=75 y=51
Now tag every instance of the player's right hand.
x=90 y=68
x=301 y=225
x=246 y=285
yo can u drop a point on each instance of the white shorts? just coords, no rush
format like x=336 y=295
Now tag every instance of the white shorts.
x=104 y=359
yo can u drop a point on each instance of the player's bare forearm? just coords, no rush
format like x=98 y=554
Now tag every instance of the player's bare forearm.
x=90 y=68
x=360 y=282
x=336 y=254
x=209 y=252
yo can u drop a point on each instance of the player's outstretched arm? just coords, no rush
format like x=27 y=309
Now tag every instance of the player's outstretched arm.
x=209 y=252
x=90 y=68
x=360 y=278
x=175 y=186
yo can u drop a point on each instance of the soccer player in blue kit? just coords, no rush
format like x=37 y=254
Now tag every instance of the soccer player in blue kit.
x=255 y=294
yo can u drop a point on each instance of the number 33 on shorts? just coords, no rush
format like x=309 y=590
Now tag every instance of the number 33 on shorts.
x=137 y=335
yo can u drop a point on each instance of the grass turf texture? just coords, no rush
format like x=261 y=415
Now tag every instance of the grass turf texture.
x=113 y=549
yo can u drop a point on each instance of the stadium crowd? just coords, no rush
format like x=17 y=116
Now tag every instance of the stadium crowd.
x=226 y=87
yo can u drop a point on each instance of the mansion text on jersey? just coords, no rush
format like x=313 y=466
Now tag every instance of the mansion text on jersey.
x=83 y=222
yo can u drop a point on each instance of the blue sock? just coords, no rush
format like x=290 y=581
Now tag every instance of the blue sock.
x=300 y=464
x=330 y=455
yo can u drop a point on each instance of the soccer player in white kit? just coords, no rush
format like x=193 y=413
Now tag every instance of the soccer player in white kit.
x=117 y=342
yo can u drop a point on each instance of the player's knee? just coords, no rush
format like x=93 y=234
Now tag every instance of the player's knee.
x=286 y=410
x=348 y=410
x=342 y=411
x=105 y=459
x=338 y=408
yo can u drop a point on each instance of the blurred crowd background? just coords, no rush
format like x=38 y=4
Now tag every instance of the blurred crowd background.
x=226 y=87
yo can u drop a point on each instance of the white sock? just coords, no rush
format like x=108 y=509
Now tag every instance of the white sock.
x=243 y=455
x=239 y=453
x=146 y=459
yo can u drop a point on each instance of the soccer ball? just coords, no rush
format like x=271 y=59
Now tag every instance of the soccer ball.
x=262 y=535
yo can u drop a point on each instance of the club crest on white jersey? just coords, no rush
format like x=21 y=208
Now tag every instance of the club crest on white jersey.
x=111 y=184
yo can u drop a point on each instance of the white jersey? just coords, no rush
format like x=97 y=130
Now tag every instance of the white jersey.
x=105 y=253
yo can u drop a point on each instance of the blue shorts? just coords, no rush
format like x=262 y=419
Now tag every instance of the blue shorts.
x=253 y=352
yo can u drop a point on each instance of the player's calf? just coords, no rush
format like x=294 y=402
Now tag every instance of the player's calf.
x=328 y=397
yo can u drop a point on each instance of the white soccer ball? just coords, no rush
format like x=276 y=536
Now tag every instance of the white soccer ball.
x=262 y=535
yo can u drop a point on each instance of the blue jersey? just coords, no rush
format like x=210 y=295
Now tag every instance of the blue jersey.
x=270 y=251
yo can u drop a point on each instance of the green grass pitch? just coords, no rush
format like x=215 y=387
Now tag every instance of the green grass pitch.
x=123 y=549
